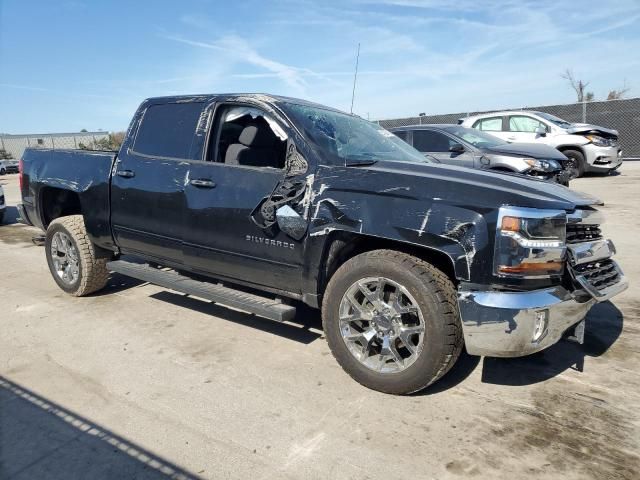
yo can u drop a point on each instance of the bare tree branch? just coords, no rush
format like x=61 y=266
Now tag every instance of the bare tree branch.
x=578 y=86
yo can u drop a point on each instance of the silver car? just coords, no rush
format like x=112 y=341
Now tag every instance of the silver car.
x=589 y=147
x=466 y=147
x=8 y=166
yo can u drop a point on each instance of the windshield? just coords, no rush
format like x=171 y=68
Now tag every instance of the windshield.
x=477 y=138
x=553 y=119
x=351 y=138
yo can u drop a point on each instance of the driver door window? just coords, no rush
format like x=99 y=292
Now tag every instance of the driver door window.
x=246 y=136
x=521 y=123
x=522 y=128
x=428 y=141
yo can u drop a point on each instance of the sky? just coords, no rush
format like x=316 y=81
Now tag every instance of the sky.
x=66 y=65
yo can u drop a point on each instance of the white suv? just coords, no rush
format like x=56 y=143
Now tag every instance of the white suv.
x=589 y=147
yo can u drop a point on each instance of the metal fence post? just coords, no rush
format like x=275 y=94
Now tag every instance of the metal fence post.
x=584 y=112
x=2 y=142
x=53 y=145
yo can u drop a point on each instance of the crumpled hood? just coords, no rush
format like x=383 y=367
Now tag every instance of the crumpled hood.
x=587 y=128
x=533 y=150
x=468 y=186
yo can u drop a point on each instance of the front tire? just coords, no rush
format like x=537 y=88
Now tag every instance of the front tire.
x=76 y=264
x=577 y=162
x=2 y=171
x=392 y=321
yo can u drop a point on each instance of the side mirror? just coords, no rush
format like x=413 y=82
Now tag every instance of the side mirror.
x=290 y=222
x=457 y=148
x=542 y=131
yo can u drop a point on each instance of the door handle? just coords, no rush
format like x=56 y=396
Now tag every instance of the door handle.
x=202 y=183
x=125 y=173
x=511 y=138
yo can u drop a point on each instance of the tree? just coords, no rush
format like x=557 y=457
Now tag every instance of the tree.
x=111 y=142
x=619 y=94
x=4 y=155
x=578 y=86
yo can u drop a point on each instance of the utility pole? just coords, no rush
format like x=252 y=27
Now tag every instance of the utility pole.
x=355 y=76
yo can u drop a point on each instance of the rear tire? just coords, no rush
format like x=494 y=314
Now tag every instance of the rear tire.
x=424 y=289
x=76 y=264
x=2 y=171
x=577 y=158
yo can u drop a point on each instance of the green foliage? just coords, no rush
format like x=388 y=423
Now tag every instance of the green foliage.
x=112 y=142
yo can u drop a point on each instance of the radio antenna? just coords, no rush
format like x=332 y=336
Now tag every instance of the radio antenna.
x=355 y=77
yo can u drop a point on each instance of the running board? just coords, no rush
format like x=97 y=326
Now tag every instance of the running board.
x=261 y=306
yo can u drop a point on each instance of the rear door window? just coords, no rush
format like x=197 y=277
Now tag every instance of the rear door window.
x=430 y=141
x=493 y=124
x=168 y=130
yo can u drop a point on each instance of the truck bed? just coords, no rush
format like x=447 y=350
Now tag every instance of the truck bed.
x=86 y=173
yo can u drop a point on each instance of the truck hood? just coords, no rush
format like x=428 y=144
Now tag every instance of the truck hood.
x=587 y=128
x=533 y=150
x=468 y=186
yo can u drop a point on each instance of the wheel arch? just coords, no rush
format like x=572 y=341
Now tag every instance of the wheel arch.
x=564 y=148
x=55 y=202
x=343 y=245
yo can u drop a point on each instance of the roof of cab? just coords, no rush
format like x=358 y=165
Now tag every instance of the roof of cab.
x=259 y=97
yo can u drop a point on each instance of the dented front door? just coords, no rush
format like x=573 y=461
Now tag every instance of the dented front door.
x=227 y=235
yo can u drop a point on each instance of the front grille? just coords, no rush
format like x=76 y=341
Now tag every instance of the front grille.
x=581 y=232
x=599 y=274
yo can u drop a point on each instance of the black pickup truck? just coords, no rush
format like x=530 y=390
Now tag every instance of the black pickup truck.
x=260 y=202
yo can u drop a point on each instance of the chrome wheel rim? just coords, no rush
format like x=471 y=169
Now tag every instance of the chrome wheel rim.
x=64 y=256
x=381 y=324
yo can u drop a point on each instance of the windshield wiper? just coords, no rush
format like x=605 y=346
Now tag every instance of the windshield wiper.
x=357 y=160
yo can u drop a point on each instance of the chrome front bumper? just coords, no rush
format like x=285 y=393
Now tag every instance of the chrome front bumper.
x=504 y=324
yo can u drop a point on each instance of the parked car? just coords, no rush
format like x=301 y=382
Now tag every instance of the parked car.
x=3 y=205
x=8 y=166
x=589 y=147
x=258 y=201
x=466 y=147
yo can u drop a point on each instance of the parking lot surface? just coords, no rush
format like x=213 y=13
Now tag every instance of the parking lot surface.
x=140 y=382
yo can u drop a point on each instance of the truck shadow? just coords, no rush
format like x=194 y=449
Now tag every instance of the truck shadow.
x=604 y=325
x=40 y=439
x=305 y=328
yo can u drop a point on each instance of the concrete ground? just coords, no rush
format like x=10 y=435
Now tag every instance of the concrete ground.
x=138 y=382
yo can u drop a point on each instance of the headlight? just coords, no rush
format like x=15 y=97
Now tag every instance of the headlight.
x=530 y=243
x=541 y=165
x=599 y=141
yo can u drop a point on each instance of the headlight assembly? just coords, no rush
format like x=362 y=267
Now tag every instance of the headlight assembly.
x=530 y=243
x=599 y=141
x=542 y=165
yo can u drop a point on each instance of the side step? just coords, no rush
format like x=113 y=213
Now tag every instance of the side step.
x=261 y=306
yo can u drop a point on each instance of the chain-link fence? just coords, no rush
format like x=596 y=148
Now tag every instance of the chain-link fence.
x=14 y=145
x=621 y=115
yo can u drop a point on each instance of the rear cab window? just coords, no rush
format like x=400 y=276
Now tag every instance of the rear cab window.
x=167 y=130
x=491 y=124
